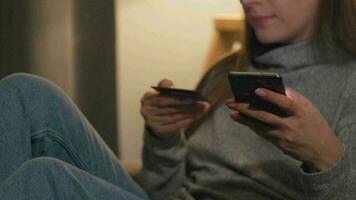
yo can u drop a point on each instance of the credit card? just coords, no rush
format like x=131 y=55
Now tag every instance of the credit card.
x=180 y=93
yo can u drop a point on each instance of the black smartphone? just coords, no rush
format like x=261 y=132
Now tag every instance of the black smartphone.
x=180 y=93
x=244 y=84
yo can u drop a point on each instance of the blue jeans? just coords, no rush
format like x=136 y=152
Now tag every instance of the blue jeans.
x=48 y=150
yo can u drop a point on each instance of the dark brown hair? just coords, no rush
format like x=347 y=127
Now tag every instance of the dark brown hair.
x=334 y=40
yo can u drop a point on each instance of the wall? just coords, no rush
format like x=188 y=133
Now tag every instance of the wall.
x=159 y=39
x=51 y=41
x=70 y=42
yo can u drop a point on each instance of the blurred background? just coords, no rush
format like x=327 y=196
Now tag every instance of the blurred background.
x=106 y=54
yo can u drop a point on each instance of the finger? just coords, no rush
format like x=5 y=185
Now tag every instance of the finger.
x=280 y=100
x=204 y=106
x=160 y=101
x=250 y=122
x=164 y=111
x=148 y=95
x=268 y=132
x=293 y=94
x=260 y=115
x=165 y=83
x=165 y=120
x=194 y=109
x=230 y=101
x=298 y=98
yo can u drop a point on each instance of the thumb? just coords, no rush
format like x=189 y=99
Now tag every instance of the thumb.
x=165 y=83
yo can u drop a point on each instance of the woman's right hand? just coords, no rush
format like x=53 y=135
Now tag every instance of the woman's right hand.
x=165 y=116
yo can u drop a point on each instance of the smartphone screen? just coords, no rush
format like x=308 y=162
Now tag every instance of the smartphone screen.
x=244 y=84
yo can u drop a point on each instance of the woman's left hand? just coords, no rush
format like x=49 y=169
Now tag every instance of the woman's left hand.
x=303 y=134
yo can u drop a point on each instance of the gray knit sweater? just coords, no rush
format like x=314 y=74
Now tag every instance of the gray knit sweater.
x=226 y=160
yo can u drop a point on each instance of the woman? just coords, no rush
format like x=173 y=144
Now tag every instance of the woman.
x=48 y=149
x=308 y=154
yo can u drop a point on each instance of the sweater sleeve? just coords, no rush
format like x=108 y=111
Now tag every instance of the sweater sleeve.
x=339 y=181
x=163 y=165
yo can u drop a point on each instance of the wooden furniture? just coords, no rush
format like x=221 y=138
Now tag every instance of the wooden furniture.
x=229 y=29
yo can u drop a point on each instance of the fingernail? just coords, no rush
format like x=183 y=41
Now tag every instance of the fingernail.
x=260 y=92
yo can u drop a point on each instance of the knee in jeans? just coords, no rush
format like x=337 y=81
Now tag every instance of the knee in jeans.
x=29 y=85
x=19 y=78
x=41 y=164
x=24 y=80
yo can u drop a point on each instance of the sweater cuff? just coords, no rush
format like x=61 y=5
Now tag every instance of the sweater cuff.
x=162 y=143
x=320 y=181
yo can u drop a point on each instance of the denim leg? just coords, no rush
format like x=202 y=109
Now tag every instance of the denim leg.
x=38 y=119
x=46 y=178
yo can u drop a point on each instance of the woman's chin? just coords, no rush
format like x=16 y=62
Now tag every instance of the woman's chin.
x=271 y=36
x=278 y=39
x=268 y=39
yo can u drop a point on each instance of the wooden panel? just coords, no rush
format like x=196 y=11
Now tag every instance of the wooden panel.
x=228 y=30
x=94 y=50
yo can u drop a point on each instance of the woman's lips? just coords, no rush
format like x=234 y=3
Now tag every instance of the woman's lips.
x=261 y=20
